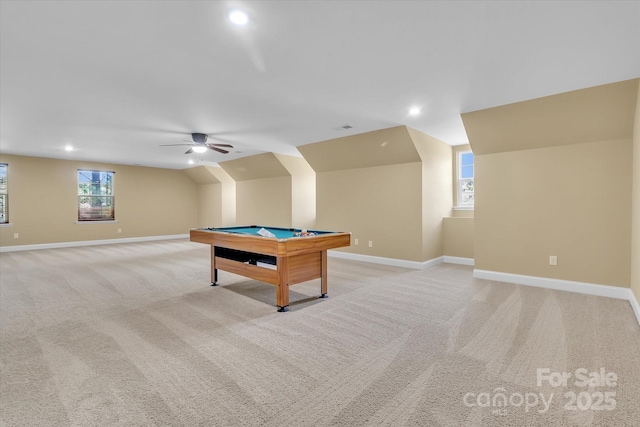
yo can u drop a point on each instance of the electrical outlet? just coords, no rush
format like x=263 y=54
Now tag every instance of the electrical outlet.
x=119 y=230
x=370 y=243
x=16 y=235
x=355 y=242
x=553 y=260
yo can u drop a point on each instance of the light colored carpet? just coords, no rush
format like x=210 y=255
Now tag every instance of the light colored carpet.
x=132 y=334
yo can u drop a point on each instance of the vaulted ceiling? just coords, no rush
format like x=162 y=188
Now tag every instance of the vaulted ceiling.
x=117 y=79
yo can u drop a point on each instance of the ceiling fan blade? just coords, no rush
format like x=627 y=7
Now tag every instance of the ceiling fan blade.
x=173 y=145
x=222 y=145
x=189 y=151
x=219 y=150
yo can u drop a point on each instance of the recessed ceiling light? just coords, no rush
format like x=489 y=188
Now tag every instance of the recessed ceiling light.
x=68 y=147
x=414 y=111
x=200 y=149
x=191 y=162
x=238 y=17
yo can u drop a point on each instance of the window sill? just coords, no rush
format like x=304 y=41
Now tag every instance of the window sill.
x=6 y=224
x=110 y=221
x=463 y=208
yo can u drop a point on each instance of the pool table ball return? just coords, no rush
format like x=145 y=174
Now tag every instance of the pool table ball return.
x=289 y=258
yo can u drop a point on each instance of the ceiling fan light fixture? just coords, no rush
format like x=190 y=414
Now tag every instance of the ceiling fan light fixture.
x=200 y=149
x=238 y=17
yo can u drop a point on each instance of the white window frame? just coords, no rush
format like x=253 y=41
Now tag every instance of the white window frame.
x=4 y=194
x=460 y=182
x=82 y=219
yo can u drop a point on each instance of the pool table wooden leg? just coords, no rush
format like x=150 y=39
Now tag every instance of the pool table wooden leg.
x=214 y=270
x=282 y=291
x=214 y=280
x=323 y=277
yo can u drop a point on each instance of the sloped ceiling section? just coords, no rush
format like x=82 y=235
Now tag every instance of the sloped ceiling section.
x=378 y=148
x=426 y=144
x=599 y=113
x=202 y=175
x=297 y=166
x=260 y=166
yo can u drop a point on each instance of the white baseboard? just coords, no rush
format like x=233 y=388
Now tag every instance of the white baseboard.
x=563 y=285
x=89 y=243
x=557 y=284
x=416 y=265
x=458 y=260
x=634 y=304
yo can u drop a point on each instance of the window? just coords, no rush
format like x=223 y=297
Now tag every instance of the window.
x=465 y=179
x=4 y=207
x=95 y=196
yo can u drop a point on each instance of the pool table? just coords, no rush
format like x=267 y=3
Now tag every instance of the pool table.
x=282 y=258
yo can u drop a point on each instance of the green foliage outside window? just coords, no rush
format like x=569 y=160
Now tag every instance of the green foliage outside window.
x=95 y=196
x=4 y=208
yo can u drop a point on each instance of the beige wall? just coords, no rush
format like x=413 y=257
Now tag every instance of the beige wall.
x=228 y=195
x=459 y=237
x=635 y=237
x=209 y=205
x=303 y=191
x=459 y=226
x=392 y=187
x=553 y=177
x=209 y=195
x=436 y=192
x=303 y=200
x=271 y=189
x=570 y=201
x=43 y=202
x=381 y=204
x=265 y=201
x=216 y=196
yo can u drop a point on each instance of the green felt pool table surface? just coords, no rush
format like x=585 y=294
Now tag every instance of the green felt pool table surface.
x=280 y=232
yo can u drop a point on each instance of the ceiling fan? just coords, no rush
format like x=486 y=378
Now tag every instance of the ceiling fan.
x=200 y=144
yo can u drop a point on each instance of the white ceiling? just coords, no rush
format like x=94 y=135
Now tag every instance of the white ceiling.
x=116 y=79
